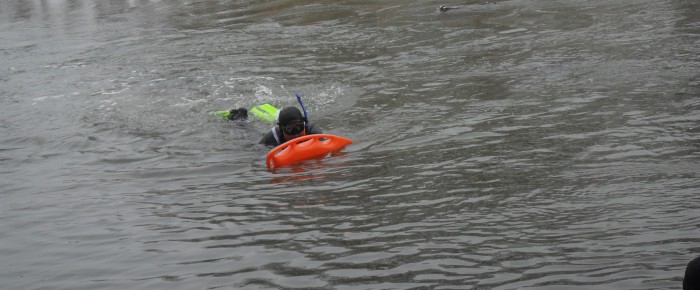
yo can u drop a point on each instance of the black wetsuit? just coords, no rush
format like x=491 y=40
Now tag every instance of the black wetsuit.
x=270 y=140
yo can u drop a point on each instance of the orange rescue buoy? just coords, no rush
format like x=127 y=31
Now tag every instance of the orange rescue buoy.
x=305 y=147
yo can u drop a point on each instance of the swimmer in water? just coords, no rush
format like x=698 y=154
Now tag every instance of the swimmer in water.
x=291 y=124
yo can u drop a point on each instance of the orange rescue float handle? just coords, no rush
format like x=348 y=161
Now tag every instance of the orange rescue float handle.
x=304 y=147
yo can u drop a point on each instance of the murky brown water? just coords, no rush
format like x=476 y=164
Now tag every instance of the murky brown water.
x=500 y=145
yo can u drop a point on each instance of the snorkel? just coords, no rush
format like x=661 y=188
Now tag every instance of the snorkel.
x=302 y=107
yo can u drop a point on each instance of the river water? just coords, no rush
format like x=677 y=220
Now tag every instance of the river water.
x=543 y=144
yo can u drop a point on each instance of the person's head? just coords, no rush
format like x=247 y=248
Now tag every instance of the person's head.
x=292 y=122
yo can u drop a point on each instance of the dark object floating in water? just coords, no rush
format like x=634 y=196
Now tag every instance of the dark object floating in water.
x=444 y=8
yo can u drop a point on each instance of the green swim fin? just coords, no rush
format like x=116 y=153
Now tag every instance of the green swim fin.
x=265 y=112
